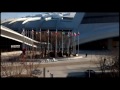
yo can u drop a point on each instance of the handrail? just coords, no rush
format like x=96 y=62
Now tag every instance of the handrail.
x=12 y=31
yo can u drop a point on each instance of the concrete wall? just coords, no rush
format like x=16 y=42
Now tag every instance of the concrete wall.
x=92 y=32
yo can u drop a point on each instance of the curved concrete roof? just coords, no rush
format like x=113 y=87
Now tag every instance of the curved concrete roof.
x=88 y=32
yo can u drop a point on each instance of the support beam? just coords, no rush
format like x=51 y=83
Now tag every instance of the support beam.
x=110 y=47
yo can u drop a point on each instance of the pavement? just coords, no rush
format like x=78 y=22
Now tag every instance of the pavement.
x=65 y=67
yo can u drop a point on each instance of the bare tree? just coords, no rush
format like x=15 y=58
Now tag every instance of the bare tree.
x=109 y=62
x=19 y=68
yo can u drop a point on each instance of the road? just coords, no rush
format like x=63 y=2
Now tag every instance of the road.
x=58 y=69
x=61 y=68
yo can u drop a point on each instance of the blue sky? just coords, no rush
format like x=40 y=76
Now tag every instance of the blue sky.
x=7 y=15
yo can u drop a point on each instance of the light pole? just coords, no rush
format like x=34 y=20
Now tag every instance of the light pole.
x=56 y=44
x=23 y=46
x=62 y=42
x=23 y=33
x=74 y=47
x=48 y=42
x=41 y=37
x=68 y=42
x=56 y=36
x=78 y=42
x=40 y=40
x=45 y=19
x=32 y=43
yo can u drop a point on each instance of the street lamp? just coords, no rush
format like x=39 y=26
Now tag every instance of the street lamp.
x=56 y=35
x=26 y=20
x=45 y=19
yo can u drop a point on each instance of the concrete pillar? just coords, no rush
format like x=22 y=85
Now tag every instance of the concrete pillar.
x=117 y=44
x=110 y=44
x=44 y=72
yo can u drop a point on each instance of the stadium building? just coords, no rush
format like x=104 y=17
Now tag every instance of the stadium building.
x=97 y=31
